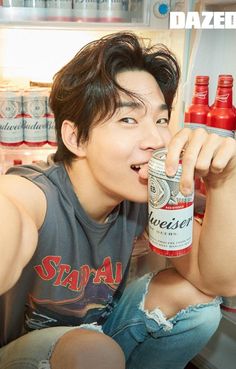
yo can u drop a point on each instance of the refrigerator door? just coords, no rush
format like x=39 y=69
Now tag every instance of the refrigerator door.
x=212 y=52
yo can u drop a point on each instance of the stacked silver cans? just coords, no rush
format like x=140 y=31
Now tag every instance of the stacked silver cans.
x=25 y=117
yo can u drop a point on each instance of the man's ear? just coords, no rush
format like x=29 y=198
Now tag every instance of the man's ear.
x=69 y=137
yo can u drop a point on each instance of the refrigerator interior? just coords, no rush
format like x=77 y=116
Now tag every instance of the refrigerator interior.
x=35 y=53
x=212 y=52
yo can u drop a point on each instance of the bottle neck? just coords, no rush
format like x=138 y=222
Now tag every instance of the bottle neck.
x=224 y=97
x=200 y=95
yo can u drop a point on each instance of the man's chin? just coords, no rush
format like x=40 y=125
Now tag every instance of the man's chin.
x=139 y=198
x=143 y=181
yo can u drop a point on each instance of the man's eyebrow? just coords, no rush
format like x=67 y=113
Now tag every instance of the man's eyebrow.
x=129 y=104
x=139 y=105
x=163 y=107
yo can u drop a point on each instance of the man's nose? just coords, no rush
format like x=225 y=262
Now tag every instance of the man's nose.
x=152 y=138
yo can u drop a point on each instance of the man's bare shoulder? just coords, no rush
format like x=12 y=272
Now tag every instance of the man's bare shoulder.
x=25 y=194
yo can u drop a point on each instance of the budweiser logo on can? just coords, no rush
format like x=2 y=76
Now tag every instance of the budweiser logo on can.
x=170 y=212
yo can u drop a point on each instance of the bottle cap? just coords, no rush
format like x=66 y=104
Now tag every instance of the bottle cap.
x=202 y=80
x=225 y=80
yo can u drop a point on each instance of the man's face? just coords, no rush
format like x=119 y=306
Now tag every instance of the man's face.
x=119 y=148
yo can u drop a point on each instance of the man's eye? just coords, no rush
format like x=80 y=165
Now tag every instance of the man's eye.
x=163 y=121
x=128 y=120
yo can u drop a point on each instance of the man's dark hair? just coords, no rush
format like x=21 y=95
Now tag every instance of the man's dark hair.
x=85 y=91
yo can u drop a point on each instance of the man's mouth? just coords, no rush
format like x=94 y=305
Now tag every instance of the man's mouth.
x=140 y=169
x=135 y=167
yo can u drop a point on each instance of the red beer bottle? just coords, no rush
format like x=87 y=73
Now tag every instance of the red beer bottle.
x=196 y=113
x=221 y=118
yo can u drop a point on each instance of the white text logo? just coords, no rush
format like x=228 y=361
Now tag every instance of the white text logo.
x=207 y=20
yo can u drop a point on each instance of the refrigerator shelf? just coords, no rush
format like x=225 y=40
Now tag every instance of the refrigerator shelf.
x=56 y=17
x=23 y=147
x=17 y=155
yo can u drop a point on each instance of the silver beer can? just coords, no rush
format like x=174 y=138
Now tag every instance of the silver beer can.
x=61 y=4
x=86 y=9
x=11 y=117
x=51 y=130
x=35 y=116
x=13 y=3
x=35 y=3
x=114 y=10
x=170 y=212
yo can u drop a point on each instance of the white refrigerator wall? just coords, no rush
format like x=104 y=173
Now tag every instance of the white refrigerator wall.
x=213 y=53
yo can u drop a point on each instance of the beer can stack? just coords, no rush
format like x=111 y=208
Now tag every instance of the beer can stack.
x=86 y=10
x=25 y=117
x=64 y=4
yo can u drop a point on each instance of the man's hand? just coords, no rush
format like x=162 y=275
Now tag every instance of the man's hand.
x=209 y=156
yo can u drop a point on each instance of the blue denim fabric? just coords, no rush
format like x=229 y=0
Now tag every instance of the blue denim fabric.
x=148 y=339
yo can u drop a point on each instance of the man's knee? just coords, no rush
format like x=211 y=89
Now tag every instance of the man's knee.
x=84 y=349
x=170 y=292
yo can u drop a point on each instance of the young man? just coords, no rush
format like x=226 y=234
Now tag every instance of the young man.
x=68 y=226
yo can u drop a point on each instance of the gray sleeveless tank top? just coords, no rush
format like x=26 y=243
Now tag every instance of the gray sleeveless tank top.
x=79 y=266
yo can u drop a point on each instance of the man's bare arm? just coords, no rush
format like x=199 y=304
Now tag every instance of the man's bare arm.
x=22 y=211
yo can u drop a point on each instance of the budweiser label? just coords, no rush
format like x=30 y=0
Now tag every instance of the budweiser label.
x=11 y=119
x=222 y=98
x=35 y=117
x=170 y=212
x=202 y=95
x=51 y=132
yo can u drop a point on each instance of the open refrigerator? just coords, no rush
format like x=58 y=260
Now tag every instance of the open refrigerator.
x=35 y=42
x=212 y=52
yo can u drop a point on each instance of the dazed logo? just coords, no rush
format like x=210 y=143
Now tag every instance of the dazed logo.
x=204 y=20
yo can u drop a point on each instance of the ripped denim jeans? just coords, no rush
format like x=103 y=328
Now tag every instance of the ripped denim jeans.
x=148 y=339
